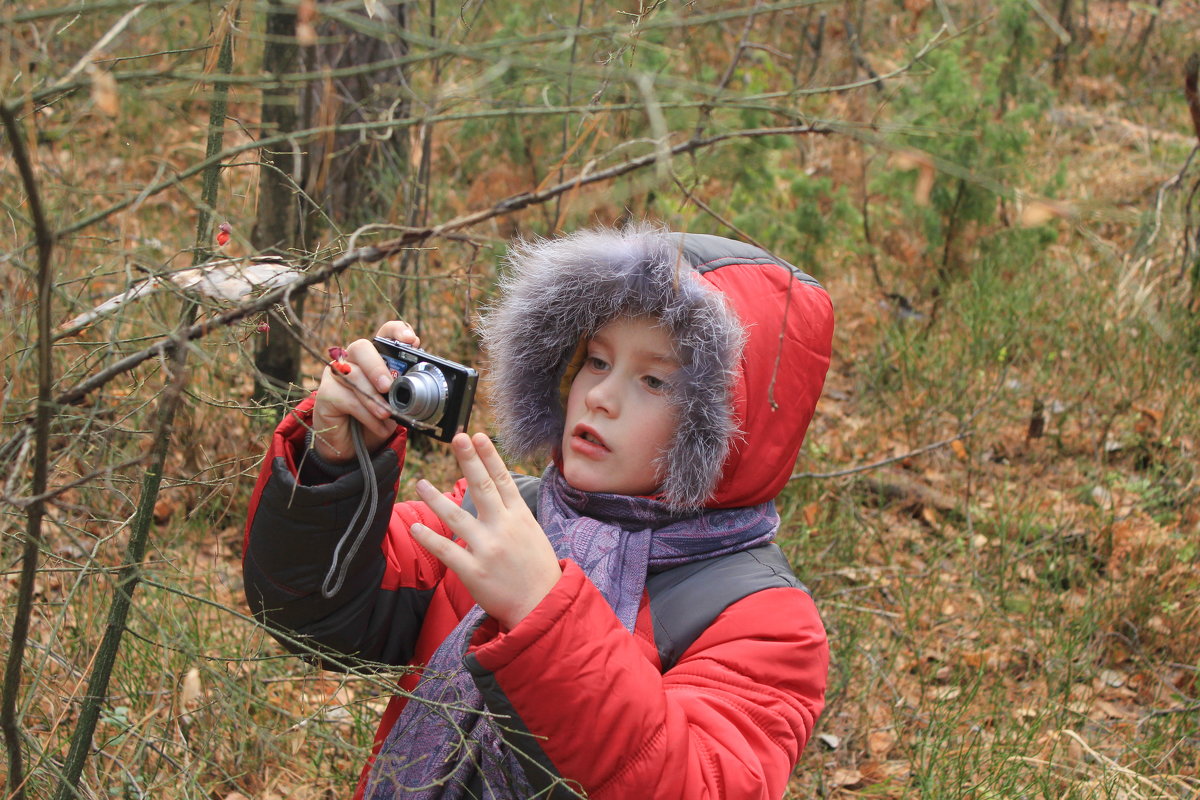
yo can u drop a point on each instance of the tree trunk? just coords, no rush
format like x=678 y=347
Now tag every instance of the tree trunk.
x=352 y=177
x=1062 y=50
x=277 y=226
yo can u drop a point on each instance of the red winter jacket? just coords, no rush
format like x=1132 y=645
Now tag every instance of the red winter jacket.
x=728 y=720
x=714 y=695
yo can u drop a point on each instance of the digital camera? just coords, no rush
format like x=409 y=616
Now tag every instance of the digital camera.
x=428 y=394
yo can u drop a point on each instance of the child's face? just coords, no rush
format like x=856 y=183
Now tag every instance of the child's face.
x=619 y=419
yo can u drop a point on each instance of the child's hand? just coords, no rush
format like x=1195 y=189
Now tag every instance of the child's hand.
x=336 y=402
x=508 y=564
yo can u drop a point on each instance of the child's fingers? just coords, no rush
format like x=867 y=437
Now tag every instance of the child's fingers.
x=492 y=487
x=448 y=512
x=479 y=481
x=363 y=355
x=400 y=331
x=337 y=403
x=490 y=457
x=351 y=394
x=444 y=550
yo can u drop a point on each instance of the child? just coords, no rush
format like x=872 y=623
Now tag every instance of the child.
x=624 y=627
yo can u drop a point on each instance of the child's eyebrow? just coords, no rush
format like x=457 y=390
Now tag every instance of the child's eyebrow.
x=660 y=359
x=656 y=357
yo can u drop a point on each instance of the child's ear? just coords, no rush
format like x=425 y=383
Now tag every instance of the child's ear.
x=573 y=367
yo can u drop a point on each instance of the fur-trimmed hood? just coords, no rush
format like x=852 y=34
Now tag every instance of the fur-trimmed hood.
x=753 y=334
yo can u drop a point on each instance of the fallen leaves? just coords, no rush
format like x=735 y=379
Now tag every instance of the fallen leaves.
x=164 y=509
x=880 y=743
x=1132 y=538
x=871 y=773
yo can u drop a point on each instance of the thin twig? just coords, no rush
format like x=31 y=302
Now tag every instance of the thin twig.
x=707 y=209
x=44 y=497
x=411 y=237
x=1051 y=22
x=359 y=127
x=947 y=20
x=86 y=59
x=723 y=84
x=143 y=518
x=877 y=464
x=569 y=93
x=33 y=532
x=792 y=276
x=504 y=113
x=1163 y=712
x=860 y=57
x=126 y=583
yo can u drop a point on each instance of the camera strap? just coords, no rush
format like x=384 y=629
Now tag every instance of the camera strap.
x=354 y=535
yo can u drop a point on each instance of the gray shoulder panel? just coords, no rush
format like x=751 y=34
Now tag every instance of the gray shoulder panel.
x=685 y=600
x=528 y=484
x=706 y=252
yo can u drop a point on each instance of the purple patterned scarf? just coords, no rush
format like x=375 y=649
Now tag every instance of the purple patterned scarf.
x=446 y=745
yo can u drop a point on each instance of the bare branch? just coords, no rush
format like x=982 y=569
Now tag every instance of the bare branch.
x=409 y=238
x=44 y=497
x=841 y=473
x=33 y=532
x=85 y=61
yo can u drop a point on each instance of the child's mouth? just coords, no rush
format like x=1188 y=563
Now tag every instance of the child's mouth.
x=589 y=439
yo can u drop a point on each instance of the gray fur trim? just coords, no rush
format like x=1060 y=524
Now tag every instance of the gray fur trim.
x=560 y=291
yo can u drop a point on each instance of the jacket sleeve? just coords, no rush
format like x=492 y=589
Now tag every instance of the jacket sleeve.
x=729 y=720
x=292 y=533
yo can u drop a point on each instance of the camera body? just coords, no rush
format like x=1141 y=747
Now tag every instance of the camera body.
x=428 y=394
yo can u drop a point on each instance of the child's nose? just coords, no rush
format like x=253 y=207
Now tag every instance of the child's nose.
x=602 y=397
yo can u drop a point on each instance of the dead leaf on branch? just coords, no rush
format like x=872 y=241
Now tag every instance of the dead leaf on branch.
x=104 y=92
x=1038 y=212
x=306 y=16
x=910 y=158
x=190 y=690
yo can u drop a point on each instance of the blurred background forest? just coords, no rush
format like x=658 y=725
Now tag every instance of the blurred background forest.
x=998 y=506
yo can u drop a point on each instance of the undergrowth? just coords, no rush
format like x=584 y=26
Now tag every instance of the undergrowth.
x=1013 y=612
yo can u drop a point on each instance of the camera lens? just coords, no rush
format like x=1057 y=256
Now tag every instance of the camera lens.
x=420 y=394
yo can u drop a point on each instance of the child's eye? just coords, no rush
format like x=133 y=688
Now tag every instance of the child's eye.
x=598 y=364
x=654 y=383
